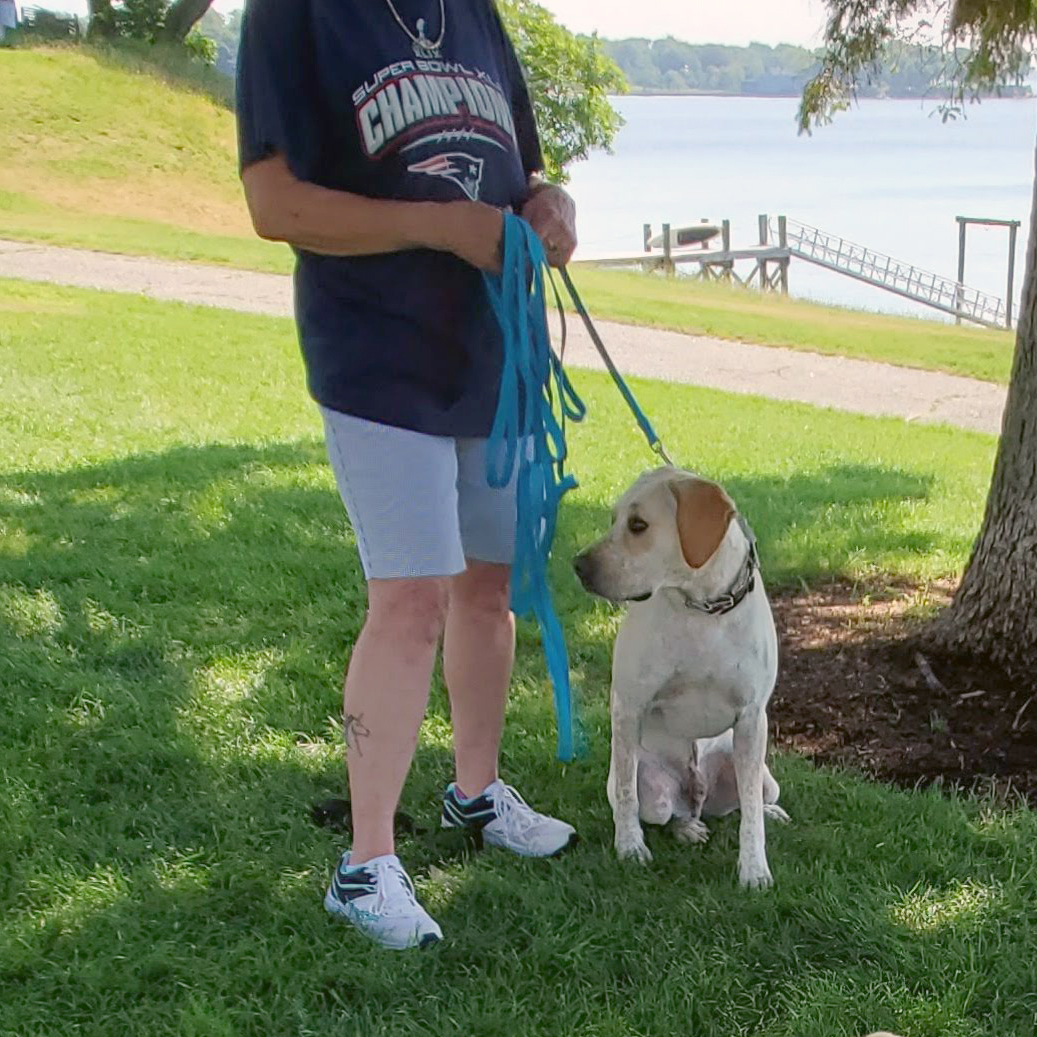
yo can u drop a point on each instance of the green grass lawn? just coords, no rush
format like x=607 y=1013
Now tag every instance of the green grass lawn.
x=680 y=304
x=86 y=164
x=178 y=591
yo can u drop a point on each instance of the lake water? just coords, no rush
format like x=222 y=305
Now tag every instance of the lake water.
x=887 y=174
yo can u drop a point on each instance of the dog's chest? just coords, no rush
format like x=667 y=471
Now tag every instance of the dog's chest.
x=702 y=687
x=687 y=708
x=691 y=676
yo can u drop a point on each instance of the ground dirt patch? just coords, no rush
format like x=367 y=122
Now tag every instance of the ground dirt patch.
x=858 y=687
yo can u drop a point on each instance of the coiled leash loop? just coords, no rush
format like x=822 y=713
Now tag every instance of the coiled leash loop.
x=528 y=434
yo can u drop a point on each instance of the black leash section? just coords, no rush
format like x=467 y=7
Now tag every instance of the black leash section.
x=642 y=419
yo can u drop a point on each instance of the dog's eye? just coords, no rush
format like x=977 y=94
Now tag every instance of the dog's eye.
x=636 y=524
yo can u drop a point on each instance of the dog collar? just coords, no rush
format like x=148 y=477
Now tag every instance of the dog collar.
x=743 y=583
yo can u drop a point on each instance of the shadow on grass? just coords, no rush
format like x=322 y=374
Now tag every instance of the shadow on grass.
x=174 y=629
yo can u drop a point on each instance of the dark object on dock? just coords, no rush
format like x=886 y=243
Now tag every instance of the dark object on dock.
x=683 y=237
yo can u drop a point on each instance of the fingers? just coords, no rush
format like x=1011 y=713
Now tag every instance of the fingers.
x=559 y=254
x=559 y=243
x=555 y=229
x=551 y=213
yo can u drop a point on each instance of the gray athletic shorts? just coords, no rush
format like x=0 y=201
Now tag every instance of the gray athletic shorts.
x=419 y=505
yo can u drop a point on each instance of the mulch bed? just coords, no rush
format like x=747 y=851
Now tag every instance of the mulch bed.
x=857 y=687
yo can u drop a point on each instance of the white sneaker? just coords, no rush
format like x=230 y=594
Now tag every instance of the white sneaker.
x=503 y=818
x=378 y=898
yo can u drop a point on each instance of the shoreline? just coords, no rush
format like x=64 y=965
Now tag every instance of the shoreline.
x=798 y=96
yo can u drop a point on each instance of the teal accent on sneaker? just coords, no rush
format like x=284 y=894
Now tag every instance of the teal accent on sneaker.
x=503 y=818
x=377 y=898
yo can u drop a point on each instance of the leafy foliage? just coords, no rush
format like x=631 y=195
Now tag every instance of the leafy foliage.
x=201 y=47
x=224 y=31
x=140 y=19
x=569 y=80
x=145 y=19
x=986 y=45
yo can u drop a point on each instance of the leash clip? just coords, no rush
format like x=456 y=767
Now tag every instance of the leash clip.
x=658 y=448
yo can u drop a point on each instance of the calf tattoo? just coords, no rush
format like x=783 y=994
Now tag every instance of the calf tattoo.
x=354 y=729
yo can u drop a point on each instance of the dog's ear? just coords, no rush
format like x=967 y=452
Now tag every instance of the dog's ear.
x=704 y=512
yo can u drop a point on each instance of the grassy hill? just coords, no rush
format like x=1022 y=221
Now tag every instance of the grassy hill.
x=112 y=149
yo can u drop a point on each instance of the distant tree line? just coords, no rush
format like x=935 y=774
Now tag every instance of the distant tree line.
x=672 y=66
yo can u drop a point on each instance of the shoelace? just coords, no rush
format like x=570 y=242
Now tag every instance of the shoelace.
x=402 y=882
x=511 y=808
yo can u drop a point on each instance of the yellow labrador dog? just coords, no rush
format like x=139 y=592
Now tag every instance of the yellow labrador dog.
x=693 y=666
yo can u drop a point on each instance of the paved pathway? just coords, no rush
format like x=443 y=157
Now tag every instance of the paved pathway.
x=860 y=386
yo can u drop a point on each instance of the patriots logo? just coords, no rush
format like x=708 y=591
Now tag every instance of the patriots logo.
x=462 y=169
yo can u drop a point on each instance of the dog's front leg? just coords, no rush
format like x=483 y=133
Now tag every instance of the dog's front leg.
x=750 y=750
x=622 y=783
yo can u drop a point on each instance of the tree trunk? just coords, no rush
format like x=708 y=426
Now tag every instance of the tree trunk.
x=994 y=612
x=102 y=20
x=181 y=17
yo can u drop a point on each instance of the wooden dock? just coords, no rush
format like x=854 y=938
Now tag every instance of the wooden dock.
x=770 y=267
x=770 y=261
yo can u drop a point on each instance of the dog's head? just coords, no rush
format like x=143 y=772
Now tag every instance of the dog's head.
x=666 y=526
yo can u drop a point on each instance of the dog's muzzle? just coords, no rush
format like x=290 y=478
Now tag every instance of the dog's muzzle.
x=584 y=566
x=586 y=570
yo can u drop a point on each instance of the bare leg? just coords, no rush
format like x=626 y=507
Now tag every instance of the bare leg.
x=384 y=701
x=478 y=653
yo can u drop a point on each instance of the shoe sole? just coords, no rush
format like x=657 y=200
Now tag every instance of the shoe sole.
x=334 y=908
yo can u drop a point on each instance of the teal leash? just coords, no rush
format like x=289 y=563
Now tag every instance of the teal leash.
x=527 y=432
x=654 y=443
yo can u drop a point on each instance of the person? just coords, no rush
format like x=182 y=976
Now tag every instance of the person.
x=8 y=16
x=384 y=140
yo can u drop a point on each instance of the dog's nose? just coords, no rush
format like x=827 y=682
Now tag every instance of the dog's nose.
x=582 y=565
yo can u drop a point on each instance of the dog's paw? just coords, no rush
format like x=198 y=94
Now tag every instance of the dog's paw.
x=690 y=830
x=774 y=813
x=755 y=876
x=632 y=847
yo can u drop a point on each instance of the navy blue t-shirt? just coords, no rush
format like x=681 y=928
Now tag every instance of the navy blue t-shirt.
x=409 y=338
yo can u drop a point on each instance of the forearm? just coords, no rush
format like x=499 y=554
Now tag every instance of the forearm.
x=336 y=223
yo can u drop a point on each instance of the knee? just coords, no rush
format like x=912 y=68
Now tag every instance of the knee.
x=411 y=611
x=483 y=590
